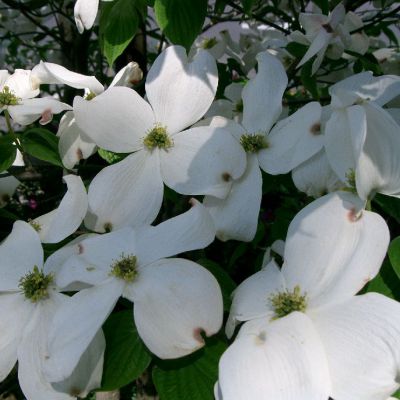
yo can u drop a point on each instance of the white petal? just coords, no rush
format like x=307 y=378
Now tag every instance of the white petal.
x=175 y=301
x=364 y=85
x=127 y=193
x=85 y=12
x=293 y=140
x=8 y=185
x=21 y=84
x=282 y=360
x=345 y=134
x=129 y=75
x=236 y=216
x=63 y=221
x=32 y=353
x=233 y=92
x=319 y=44
x=203 y=160
x=19 y=253
x=87 y=374
x=30 y=110
x=73 y=145
x=179 y=91
x=251 y=298
x=378 y=168
x=75 y=325
x=312 y=23
x=191 y=230
x=262 y=95
x=315 y=177
x=361 y=339
x=117 y=120
x=47 y=73
x=331 y=250
x=15 y=312
x=91 y=259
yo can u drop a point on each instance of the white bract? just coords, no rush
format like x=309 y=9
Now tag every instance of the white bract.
x=8 y=184
x=201 y=160
x=56 y=225
x=236 y=216
x=307 y=335
x=29 y=299
x=361 y=138
x=330 y=34
x=175 y=300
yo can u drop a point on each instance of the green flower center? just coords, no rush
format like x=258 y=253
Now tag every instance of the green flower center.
x=90 y=96
x=253 y=143
x=286 y=302
x=158 y=137
x=35 y=225
x=351 y=181
x=209 y=43
x=35 y=285
x=125 y=268
x=8 y=98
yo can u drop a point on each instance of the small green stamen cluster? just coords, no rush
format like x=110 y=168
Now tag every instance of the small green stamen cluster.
x=351 y=181
x=125 y=268
x=253 y=143
x=35 y=285
x=90 y=96
x=36 y=226
x=209 y=43
x=286 y=302
x=8 y=98
x=158 y=137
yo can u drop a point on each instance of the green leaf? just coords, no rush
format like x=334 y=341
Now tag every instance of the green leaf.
x=386 y=282
x=226 y=283
x=296 y=49
x=247 y=6
x=8 y=152
x=192 y=377
x=42 y=144
x=323 y=5
x=119 y=23
x=181 y=20
x=111 y=157
x=390 y=205
x=394 y=255
x=126 y=356
x=309 y=82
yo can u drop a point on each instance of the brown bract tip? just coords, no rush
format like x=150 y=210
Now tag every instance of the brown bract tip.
x=353 y=215
x=315 y=129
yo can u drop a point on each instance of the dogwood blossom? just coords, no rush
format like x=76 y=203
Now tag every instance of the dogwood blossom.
x=236 y=216
x=200 y=160
x=29 y=299
x=307 y=335
x=174 y=299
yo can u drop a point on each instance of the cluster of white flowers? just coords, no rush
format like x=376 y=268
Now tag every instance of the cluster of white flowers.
x=306 y=334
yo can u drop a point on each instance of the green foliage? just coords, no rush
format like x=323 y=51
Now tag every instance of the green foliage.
x=394 y=255
x=126 y=356
x=323 y=5
x=192 y=377
x=110 y=156
x=247 y=6
x=181 y=20
x=119 y=23
x=390 y=205
x=42 y=144
x=8 y=152
x=309 y=82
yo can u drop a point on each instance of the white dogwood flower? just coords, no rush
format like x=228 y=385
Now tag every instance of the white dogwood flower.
x=307 y=335
x=201 y=160
x=236 y=216
x=175 y=300
x=29 y=300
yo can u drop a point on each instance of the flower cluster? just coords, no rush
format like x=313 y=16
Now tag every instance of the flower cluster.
x=306 y=331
